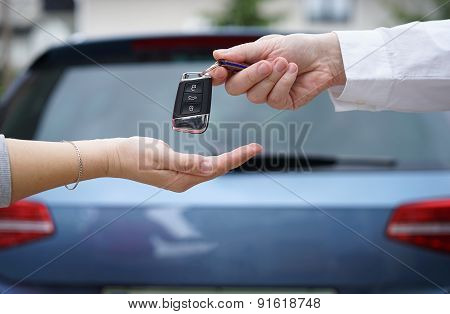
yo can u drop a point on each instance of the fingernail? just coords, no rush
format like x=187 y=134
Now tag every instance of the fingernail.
x=264 y=68
x=280 y=66
x=221 y=51
x=292 y=68
x=257 y=147
x=206 y=166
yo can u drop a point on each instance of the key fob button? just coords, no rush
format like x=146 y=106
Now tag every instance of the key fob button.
x=192 y=98
x=191 y=108
x=194 y=87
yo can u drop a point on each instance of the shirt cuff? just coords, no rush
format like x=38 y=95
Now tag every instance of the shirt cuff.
x=5 y=174
x=368 y=71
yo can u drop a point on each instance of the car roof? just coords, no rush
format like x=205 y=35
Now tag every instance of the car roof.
x=141 y=48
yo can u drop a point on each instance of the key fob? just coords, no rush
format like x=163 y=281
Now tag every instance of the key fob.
x=193 y=103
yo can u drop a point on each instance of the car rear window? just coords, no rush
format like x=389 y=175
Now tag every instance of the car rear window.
x=90 y=102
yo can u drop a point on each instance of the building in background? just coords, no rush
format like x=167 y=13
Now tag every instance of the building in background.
x=21 y=36
x=112 y=17
x=31 y=26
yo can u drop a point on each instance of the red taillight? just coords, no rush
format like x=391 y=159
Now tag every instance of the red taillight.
x=425 y=224
x=24 y=221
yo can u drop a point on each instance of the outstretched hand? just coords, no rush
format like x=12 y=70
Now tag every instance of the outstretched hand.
x=39 y=166
x=153 y=162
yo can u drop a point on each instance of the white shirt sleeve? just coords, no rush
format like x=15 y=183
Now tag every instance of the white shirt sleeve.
x=405 y=68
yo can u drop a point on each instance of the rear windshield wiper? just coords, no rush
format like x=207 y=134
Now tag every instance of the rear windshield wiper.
x=281 y=162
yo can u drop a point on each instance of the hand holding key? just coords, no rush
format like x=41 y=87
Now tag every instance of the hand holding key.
x=286 y=71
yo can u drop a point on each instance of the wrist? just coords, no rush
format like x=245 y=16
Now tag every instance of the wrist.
x=114 y=167
x=331 y=50
x=101 y=158
x=94 y=157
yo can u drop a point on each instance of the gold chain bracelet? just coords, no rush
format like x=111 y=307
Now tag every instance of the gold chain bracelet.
x=80 y=169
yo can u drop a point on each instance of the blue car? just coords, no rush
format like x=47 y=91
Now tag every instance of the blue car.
x=355 y=202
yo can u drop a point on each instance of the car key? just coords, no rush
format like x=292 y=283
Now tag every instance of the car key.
x=193 y=101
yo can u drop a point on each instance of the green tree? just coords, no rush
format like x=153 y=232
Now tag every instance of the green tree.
x=243 y=13
x=409 y=16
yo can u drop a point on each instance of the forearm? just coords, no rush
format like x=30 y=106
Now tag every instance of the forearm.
x=39 y=166
x=33 y=166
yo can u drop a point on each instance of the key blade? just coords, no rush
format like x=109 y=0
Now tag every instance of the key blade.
x=233 y=66
x=212 y=67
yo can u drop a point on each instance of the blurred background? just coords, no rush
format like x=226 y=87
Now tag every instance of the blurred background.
x=21 y=40
x=252 y=229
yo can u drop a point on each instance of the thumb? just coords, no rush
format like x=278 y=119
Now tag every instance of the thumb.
x=249 y=52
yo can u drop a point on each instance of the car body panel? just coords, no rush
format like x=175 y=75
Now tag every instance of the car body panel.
x=262 y=236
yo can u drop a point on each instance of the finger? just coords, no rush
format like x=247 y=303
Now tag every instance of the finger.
x=258 y=93
x=221 y=165
x=228 y=161
x=248 y=52
x=279 y=97
x=219 y=75
x=189 y=163
x=242 y=81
